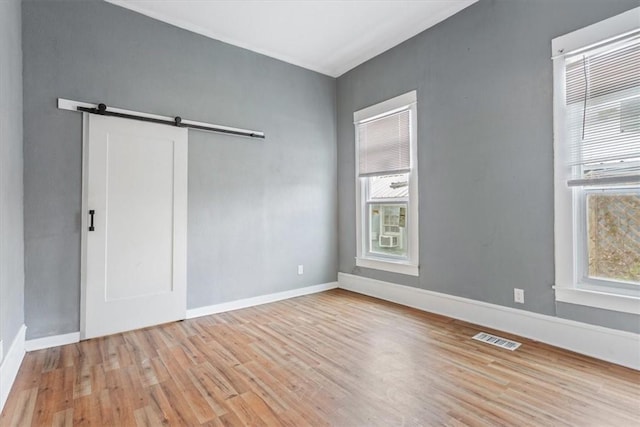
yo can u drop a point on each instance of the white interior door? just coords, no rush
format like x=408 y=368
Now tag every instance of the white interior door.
x=136 y=199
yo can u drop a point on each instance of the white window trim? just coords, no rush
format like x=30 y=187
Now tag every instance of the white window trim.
x=567 y=249
x=410 y=266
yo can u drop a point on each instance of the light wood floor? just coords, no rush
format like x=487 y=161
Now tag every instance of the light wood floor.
x=335 y=358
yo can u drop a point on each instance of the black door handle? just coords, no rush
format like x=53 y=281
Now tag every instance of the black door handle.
x=91 y=227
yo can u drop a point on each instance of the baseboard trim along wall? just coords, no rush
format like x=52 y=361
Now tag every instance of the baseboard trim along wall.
x=607 y=344
x=263 y=299
x=11 y=365
x=74 y=337
x=52 y=341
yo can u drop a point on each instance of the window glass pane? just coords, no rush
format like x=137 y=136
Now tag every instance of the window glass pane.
x=389 y=186
x=388 y=229
x=613 y=224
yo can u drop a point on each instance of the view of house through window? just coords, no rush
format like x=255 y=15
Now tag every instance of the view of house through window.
x=388 y=229
x=388 y=221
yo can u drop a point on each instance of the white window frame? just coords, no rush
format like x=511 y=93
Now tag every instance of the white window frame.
x=410 y=266
x=569 y=253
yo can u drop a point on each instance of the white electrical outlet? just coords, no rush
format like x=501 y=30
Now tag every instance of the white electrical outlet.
x=300 y=270
x=518 y=295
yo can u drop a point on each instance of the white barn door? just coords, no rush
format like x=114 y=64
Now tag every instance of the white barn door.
x=135 y=240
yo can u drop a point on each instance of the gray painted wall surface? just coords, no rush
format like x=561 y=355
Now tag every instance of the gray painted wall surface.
x=484 y=81
x=257 y=209
x=11 y=189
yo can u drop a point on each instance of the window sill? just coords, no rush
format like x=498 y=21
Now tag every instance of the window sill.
x=607 y=301
x=390 y=266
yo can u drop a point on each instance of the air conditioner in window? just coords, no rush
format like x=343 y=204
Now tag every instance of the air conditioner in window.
x=387 y=241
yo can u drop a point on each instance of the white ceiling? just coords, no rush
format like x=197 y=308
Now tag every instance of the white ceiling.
x=327 y=36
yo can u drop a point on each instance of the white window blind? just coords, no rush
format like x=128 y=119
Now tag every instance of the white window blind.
x=384 y=144
x=603 y=113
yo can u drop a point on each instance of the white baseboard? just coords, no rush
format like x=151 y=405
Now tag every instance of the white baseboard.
x=11 y=365
x=52 y=341
x=263 y=299
x=620 y=347
x=74 y=337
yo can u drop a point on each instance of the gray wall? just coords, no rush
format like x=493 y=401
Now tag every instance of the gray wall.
x=484 y=81
x=257 y=209
x=11 y=207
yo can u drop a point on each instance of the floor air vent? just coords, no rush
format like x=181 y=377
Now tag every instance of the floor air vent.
x=497 y=341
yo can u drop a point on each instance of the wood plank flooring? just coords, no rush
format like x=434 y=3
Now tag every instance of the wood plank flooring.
x=335 y=358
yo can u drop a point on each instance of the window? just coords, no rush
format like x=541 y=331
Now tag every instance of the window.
x=597 y=164
x=387 y=186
